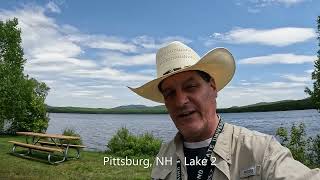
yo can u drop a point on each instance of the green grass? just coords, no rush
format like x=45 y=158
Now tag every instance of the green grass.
x=89 y=166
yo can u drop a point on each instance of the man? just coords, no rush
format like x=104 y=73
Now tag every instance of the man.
x=206 y=147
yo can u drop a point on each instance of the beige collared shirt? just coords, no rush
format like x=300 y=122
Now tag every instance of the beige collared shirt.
x=240 y=154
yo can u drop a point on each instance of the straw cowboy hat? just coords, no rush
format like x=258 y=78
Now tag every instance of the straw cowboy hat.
x=177 y=57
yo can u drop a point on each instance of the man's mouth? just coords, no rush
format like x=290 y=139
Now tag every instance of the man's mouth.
x=186 y=114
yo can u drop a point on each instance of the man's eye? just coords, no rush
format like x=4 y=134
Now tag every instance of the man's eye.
x=191 y=86
x=167 y=94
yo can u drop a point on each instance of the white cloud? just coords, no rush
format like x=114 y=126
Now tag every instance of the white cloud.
x=278 y=59
x=91 y=94
x=83 y=93
x=169 y=39
x=255 y=6
x=112 y=46
x=51 y=6
x=309 y=71
x=109 y=74
x=104 y=42
x=285 y=2
x=135 y=45
x=108 y=96
x=69 y=29
x=119 y=59
x=103 y=86
x=145 y=41
x=56 y=55
x=274 y=37
x=148 y=72
x=282 y=85
x=152 y=43
x=245 y=84
x=296 y=78
x=36 y=69
x=252 y=92
x=52 y=58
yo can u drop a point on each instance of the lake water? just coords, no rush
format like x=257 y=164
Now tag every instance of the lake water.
x=97 y=129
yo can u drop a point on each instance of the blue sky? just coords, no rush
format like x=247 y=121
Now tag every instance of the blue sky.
x=88 y=52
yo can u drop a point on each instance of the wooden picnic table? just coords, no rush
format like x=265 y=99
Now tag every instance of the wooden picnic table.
x=44 y=135
x=39 y=142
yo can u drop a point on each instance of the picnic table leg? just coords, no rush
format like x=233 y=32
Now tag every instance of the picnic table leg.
x=78 y=153
x=66 y=152
x=14 y=151
x=29 y=150
x=49 y=160
x=14 y=148
x=55 y=162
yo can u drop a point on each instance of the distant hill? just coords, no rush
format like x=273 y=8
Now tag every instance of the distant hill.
x=131 y=107
x=284 y=105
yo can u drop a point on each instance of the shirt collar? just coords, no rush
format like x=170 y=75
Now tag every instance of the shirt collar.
x=222 y=147
x=195 y=145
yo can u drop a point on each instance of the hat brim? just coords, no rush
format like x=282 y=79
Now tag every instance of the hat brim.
x=218 y=63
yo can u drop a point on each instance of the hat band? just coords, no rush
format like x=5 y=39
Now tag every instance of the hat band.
x=174 y=69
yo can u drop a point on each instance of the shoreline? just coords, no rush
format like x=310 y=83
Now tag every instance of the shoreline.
x=151 y=113
x=287 y=105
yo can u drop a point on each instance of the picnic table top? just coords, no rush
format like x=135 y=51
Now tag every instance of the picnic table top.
x=56 y=136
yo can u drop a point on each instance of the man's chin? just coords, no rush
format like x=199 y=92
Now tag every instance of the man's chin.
x=191 y=135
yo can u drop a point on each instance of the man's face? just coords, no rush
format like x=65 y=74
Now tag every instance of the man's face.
x=191 y=103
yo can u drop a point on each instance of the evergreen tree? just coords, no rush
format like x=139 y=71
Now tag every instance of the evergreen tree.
x=315 y=93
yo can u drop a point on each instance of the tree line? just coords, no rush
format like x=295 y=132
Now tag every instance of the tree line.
x=131 y=109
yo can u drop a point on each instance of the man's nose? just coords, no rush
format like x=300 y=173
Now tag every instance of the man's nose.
x=181 y=98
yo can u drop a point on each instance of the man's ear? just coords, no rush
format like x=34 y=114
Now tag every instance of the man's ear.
x=213 y=85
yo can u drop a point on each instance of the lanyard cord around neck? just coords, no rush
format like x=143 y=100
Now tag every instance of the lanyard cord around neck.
x=208 y=154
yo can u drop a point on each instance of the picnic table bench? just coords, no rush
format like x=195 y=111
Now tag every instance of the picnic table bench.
x=51 y=147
